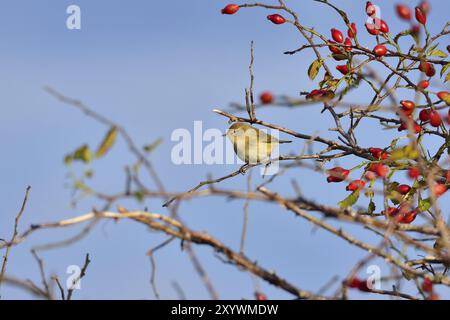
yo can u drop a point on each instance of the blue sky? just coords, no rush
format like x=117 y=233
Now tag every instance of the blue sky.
x=155 y=66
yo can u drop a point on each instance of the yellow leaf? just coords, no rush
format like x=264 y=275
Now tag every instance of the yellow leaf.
x=107 y=143
x=314 y=68
x=447 y=99
x=437 y=53
x=83 y=153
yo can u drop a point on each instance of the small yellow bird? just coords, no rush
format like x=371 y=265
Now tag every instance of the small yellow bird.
x=251 y=144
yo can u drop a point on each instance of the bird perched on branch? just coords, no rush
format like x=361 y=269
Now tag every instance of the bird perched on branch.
x=250 y=144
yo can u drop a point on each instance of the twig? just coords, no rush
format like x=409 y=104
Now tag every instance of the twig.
x=14 y=235
x=80 y=276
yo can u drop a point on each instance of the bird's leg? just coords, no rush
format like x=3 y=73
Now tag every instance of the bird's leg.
x=265 y=168
x=244 y=168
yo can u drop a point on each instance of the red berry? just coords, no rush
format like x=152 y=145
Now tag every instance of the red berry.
x=353 y=283
x=320 y=95
x=424 y=114
x=334 y=49
x=403 y=188
x=266 y=97
x=403 y=11
x=404 y=126
x=425 y=6
x=391 y=211
x=381 y=25
x=407 y=217
x=433 y=296
x=417 y=128
x=260 y=296
x=427 y=285
x=420 y=15
x=415 y=29
x=439 y=189
x=342 y=69
x=337 y=174
x=378 y=153
x=413 y=172
x=276 y=18
x=379 y=50
x=370 y=9
x=363 y=286
x=352 y=31
x=431 y=71
x=370 y=27
x=407 y=104
x=337 y=35
x=348 y=44
x=435 y=118
x=427 y=68
x=442 y=95
x=355 y=185
x=230 y=9
x=380 y=169
x=423 y=84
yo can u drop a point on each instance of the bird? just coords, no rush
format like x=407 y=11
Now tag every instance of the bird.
x=250 y=144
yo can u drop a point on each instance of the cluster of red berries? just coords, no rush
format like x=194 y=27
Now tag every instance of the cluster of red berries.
x=431 y=116
x=403 y=213
x=338 y=38
x=377 y=25
x=421 y=11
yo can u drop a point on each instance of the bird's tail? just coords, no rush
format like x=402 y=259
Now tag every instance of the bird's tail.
x=284 y=141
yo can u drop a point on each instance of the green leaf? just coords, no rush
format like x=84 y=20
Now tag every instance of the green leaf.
x=444 y=68
x=350 y=200
x=437 y=53
x=89 y=173
x=394 y=143
x=339 y=56
x=107 y=143
x=392 y=186
x=314 y=68
x=424 y=204
x=68 y=159
x=152 y=146
x=431 y=49
x=371 y=207
x=79 y=185
x=83 y=153
x=139 y=196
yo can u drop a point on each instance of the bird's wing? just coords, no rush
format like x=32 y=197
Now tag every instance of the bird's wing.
x=266 y=138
